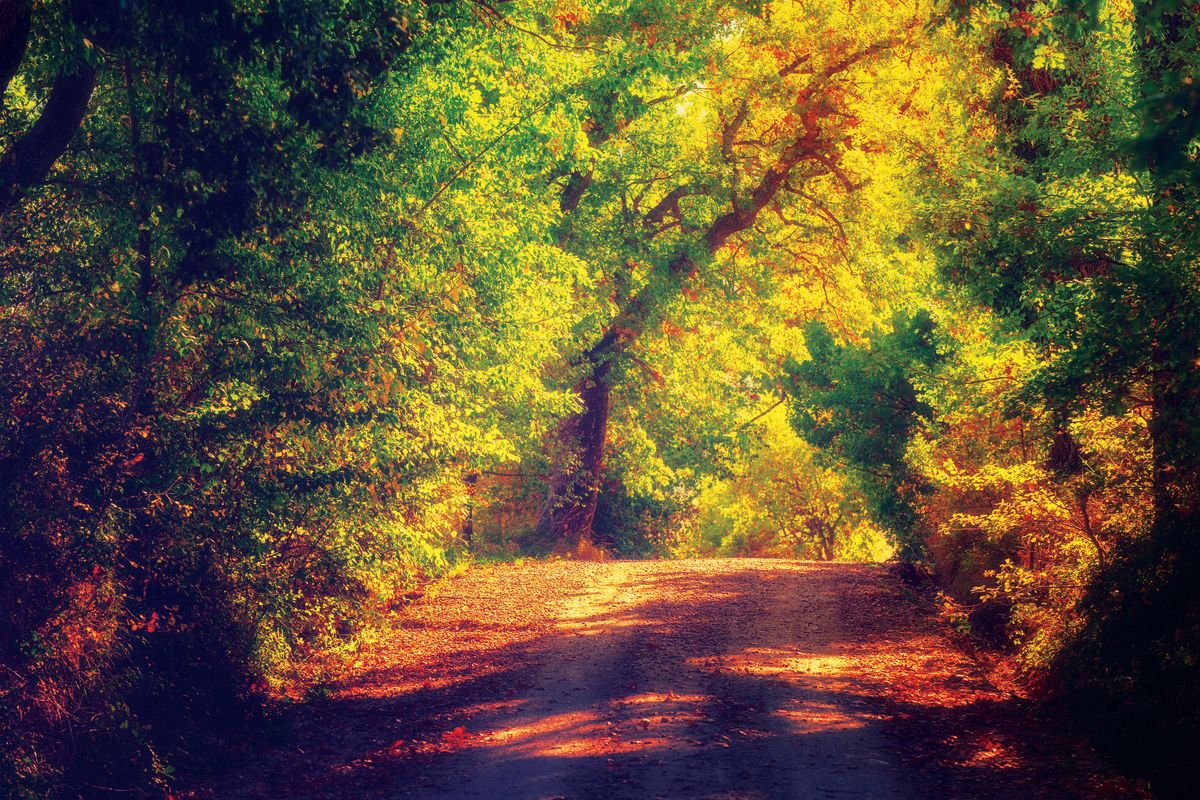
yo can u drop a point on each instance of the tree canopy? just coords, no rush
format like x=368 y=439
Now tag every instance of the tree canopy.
x=304 y=303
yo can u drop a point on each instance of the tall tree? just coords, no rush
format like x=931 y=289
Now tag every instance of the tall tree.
x=182 y=329
x=767 y=101
x=27 y=160
x=1082 y=233
x=860 y=405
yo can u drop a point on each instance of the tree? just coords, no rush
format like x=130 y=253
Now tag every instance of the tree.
x=192 y=419
x=772 y=125
x=861 y=405
x=26 y=161
x=780 y=501
x=1082 y=234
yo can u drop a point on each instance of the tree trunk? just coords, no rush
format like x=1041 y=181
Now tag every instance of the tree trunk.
x=573 y=493
x=28 y=160
x=826 y=550
x=570 y=507
x=828 y=540
x=1175 y=476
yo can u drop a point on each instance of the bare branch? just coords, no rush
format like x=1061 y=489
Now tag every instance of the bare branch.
x=731 y=128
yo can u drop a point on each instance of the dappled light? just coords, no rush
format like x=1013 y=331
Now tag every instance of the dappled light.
x=747 y=679
x=614 y=399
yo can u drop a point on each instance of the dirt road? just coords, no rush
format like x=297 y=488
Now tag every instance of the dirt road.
x=746 y=679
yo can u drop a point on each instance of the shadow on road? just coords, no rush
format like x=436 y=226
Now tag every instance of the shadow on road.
x=668 y=681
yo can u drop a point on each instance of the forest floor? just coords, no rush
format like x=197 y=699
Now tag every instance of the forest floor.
x=748 y=679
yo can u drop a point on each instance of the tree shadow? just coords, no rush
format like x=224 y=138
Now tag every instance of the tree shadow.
x=699 y=690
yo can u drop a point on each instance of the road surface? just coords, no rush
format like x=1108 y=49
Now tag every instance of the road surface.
x=736 y=679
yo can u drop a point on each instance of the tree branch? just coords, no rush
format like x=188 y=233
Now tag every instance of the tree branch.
x=29 y=159
x=669 y=204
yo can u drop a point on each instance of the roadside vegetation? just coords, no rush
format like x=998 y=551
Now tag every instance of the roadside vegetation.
x=304 y=304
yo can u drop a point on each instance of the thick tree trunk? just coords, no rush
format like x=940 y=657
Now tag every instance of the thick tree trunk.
x=573 y=493
x=28 y=160
x=570 y=507
x=1175 y=443
x=827 y=551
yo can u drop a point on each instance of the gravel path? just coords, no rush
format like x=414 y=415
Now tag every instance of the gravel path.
x=747 y=679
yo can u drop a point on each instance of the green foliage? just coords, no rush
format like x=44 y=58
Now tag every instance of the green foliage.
x=319 y=291
x=782 y=503
x=207 y=453
x=860 y=405
x=1081 y=236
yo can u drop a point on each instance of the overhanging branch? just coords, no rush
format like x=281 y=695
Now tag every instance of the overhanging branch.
x=29 y=159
